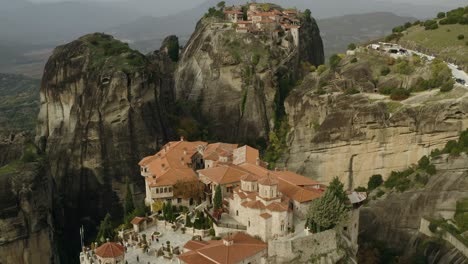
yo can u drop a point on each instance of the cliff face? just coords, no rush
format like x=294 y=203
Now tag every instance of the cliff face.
x=335 y=132
x=236 y=82
x=25 y=220
x=100 y=113
x=353 y=137
x=395 y=218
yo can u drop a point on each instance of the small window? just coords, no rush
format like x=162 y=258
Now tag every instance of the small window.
x=165 y=189
x=157 y=190
x=249 y=223
x=345 y=228
x=237 y=212
x=170 y=189
x=179 y=200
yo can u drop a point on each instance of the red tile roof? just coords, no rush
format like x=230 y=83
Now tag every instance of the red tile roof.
x=172 y=163
x=110 y=250
x=223 y=174
x=268 y=180
x=243 y=247
x=277 y=207
x=265 y=215
x=137 y=220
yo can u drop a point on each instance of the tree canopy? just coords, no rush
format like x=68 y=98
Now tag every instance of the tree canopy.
x=218 y=199
x=106 y=230
x=326 y=212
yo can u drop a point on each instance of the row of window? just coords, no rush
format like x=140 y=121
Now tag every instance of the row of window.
x=163 y=190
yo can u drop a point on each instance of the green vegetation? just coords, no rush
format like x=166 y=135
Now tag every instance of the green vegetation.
x=329 y=210
x=19 y=103
x=453 y=147
x=461 y=215
x=351 y=46
x=334 y=60
x=354 y=60
x=321 y=69
x=404 y=67
x=30 y=154
x=399 y=180
x=129 y=207
x=109 y=53
x=374 y=182
x=216 y=13
x=400 y=94
x=385 y=71
x=461 y=37
x=201 y=221
x=402 y=180
x=218 y=199
x=173 y=49
x=440 y=41
x=431 y=25
x=106 y=229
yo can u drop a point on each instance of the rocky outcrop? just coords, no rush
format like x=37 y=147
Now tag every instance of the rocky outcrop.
x=100 y=114
x=352 y=137
x=25 y=220
x=236 y=83
x=395 y=218
x=11 y=146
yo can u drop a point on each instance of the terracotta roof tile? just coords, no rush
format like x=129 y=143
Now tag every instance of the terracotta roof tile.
x=243 y=247
x=110 y=250
x=265 y=215
x=137 y=220
x=268 y=180
x=223 y=174
x=277 y=207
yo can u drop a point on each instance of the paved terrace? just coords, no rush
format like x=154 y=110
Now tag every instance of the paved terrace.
x=176 y=238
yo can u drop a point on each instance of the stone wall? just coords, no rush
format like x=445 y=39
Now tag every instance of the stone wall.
x=459 y=245
x=303 y=248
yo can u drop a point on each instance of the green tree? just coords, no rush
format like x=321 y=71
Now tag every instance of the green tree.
x=106 y=230
x=351 y=46
x=441 y=15
x=307 y=15
x=374 y=182
x=221 y=5
x=326 y=212
x=188 y=221
x=336 y=187
x=461 y=37
x=218 y=199
x=334 y=61
x=173 y=48
x=128 y=203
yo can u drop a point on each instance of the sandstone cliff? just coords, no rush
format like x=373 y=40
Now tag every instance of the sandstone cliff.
x=100 y=114
x=236 y=83
x=25 y=219
x=354 y=136
x=395 y=217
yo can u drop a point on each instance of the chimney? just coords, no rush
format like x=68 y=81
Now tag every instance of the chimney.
x=181 y=138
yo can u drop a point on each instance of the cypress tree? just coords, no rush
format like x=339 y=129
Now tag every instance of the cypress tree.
x=218 y=199
x=129 y=207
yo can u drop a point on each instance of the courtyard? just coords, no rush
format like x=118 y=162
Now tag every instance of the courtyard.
x=176 y=239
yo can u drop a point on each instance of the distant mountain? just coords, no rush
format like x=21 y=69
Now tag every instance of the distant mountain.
x=338 y=32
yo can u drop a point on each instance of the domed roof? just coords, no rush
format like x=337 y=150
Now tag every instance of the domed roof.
x=249 y=178
x=110 y=250
x=268 y=180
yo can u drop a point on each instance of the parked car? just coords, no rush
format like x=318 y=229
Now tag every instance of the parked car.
x=460 y=81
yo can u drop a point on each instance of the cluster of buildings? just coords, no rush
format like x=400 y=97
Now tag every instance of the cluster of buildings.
x=261 y=21
x=259 y=205
x=107 y=253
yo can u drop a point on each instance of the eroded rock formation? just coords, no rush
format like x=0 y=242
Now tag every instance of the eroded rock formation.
x=237 y=82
